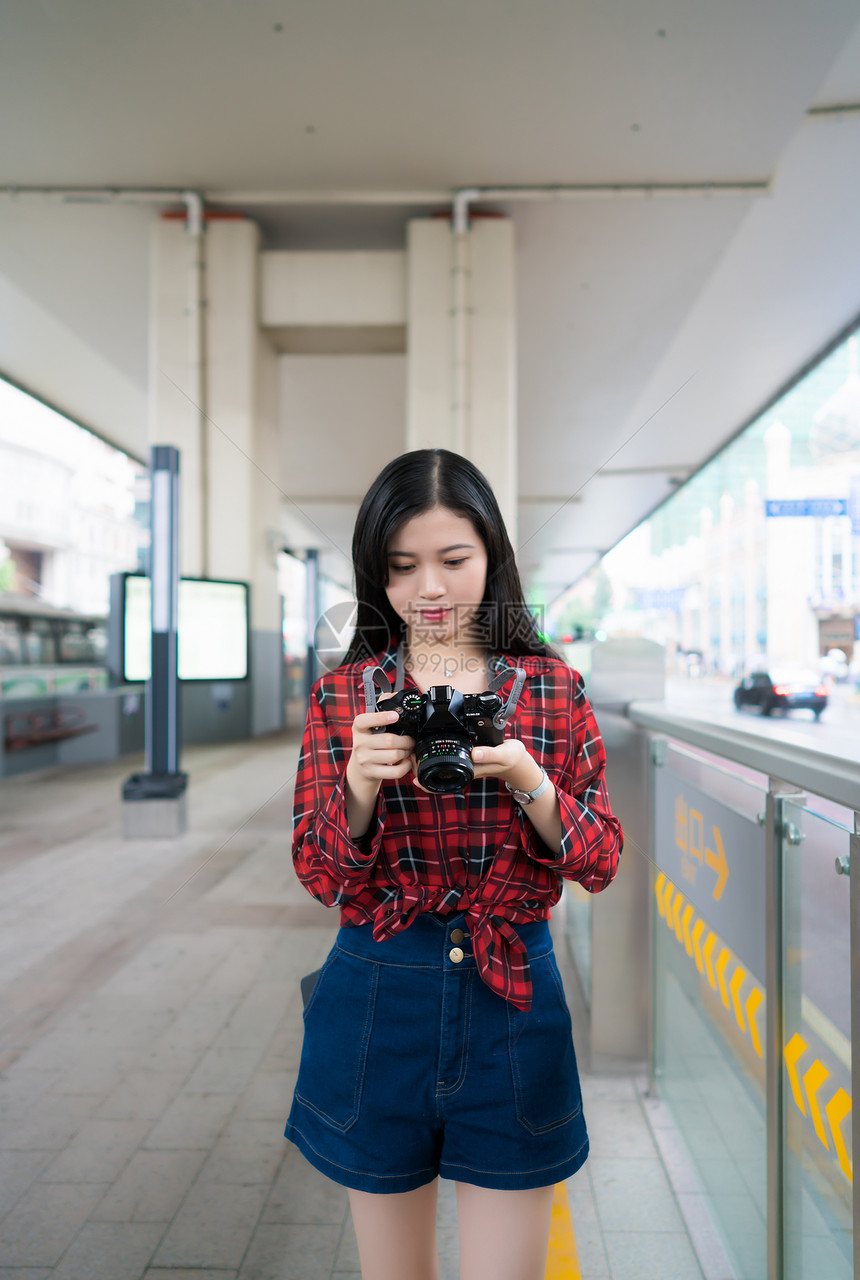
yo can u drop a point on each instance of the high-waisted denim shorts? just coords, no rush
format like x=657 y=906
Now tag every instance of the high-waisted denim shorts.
x=412 y=1068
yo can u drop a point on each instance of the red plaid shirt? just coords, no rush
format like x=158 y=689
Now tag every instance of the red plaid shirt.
x=474 y=851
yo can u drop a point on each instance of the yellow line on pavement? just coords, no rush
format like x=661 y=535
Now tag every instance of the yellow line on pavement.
x=561 y=1260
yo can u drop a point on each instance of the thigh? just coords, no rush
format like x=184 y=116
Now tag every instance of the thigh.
x=503 y=1234
x=396 y=1233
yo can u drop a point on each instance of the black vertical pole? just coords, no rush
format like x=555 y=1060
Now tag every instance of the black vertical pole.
x=312 y=609
x=162 y=780
x=162 y=689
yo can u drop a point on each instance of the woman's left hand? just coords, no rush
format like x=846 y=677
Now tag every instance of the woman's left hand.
x=510 y=762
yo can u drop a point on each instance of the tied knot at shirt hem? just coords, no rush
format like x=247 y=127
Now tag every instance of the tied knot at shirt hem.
x=501 y=957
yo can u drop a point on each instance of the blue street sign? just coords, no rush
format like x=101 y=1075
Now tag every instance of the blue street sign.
x=854 y=504
x=806 y=507
x=667 y=600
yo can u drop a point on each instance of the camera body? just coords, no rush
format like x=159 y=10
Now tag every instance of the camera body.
x=446 y=725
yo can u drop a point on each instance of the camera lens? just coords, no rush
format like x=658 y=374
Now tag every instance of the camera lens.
x=445 y=764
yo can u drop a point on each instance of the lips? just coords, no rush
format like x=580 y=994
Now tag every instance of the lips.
x=434 y=615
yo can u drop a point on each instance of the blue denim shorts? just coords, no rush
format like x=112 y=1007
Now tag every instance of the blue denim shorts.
x=412 y=1068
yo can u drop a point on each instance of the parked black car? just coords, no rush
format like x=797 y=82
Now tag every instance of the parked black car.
x=782 y=691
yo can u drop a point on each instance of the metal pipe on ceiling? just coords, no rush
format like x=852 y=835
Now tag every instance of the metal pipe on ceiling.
x=466 y=195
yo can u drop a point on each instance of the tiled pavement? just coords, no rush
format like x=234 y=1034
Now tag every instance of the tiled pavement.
x=150 y=1028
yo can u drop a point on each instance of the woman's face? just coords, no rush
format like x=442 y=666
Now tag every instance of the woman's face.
x=437 y=571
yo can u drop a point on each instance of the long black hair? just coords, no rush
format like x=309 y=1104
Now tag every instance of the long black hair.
x=409 y=486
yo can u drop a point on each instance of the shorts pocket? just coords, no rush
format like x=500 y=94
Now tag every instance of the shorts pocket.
x=546 y=1084
x=338 y=1024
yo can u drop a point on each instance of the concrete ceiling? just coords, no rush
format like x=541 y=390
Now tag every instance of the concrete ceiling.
x=651 y=328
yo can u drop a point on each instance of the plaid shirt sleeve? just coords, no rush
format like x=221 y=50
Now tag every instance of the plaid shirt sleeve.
x=327 y=860
x=591 y=836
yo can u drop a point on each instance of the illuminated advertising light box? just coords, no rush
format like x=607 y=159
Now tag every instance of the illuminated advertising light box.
x=212 y=630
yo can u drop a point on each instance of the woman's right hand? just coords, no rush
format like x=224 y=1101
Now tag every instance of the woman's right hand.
x=377 y=756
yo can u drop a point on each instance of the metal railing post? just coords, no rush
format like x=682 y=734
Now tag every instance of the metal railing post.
x=854 y=897
x=658 y=748
x=778 y=792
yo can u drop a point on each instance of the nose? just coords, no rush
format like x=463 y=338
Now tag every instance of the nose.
x=431 y=588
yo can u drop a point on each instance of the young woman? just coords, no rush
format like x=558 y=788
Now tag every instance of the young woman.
x=437 y=1037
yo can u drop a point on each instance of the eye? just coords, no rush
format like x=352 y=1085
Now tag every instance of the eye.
x=462 y=560
x=401 y=568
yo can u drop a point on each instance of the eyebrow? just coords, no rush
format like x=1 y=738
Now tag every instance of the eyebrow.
x=458 y=546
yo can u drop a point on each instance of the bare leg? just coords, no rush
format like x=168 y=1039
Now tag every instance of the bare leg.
x=396 y=1233
x=503 y=1234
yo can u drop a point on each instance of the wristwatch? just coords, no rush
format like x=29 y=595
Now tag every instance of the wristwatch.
x=526 y=797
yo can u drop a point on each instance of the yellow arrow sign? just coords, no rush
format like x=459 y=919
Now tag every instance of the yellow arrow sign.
x=658 y=889
x=717 y=862
x=812 y=1082
x=791 y=1053
x=685 y=924
x=676 y=912
x=667 y=902
x=710 y=942
x=836 y=1111
x=720 y=969
x=735 y=988
x=754 y=999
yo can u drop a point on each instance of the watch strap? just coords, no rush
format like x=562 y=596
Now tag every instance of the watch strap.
x=527 y=797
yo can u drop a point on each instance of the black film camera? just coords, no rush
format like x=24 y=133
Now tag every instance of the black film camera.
x=446 y=724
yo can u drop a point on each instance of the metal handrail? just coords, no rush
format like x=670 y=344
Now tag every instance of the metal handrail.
x=821 y=772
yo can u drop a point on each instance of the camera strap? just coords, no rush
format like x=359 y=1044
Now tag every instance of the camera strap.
x=373 y=679
x=496 y=681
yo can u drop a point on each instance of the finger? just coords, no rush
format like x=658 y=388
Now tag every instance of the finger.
x=393 y=754
x=386 y=772
x=386 y=741
x=370 y=719
x=413 y=764
x=399 y=770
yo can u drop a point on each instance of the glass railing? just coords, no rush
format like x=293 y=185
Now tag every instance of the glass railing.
x=709 y=984
x=817 y=1041
x=751 y=849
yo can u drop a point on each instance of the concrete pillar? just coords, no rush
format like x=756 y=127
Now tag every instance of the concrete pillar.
x=492 y=421
x=175 y=376
x=244 y=494
x=230 y=458
x=461 y=325
x=429 y=340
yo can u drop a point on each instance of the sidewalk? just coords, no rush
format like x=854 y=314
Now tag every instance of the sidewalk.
x=150 y=1027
